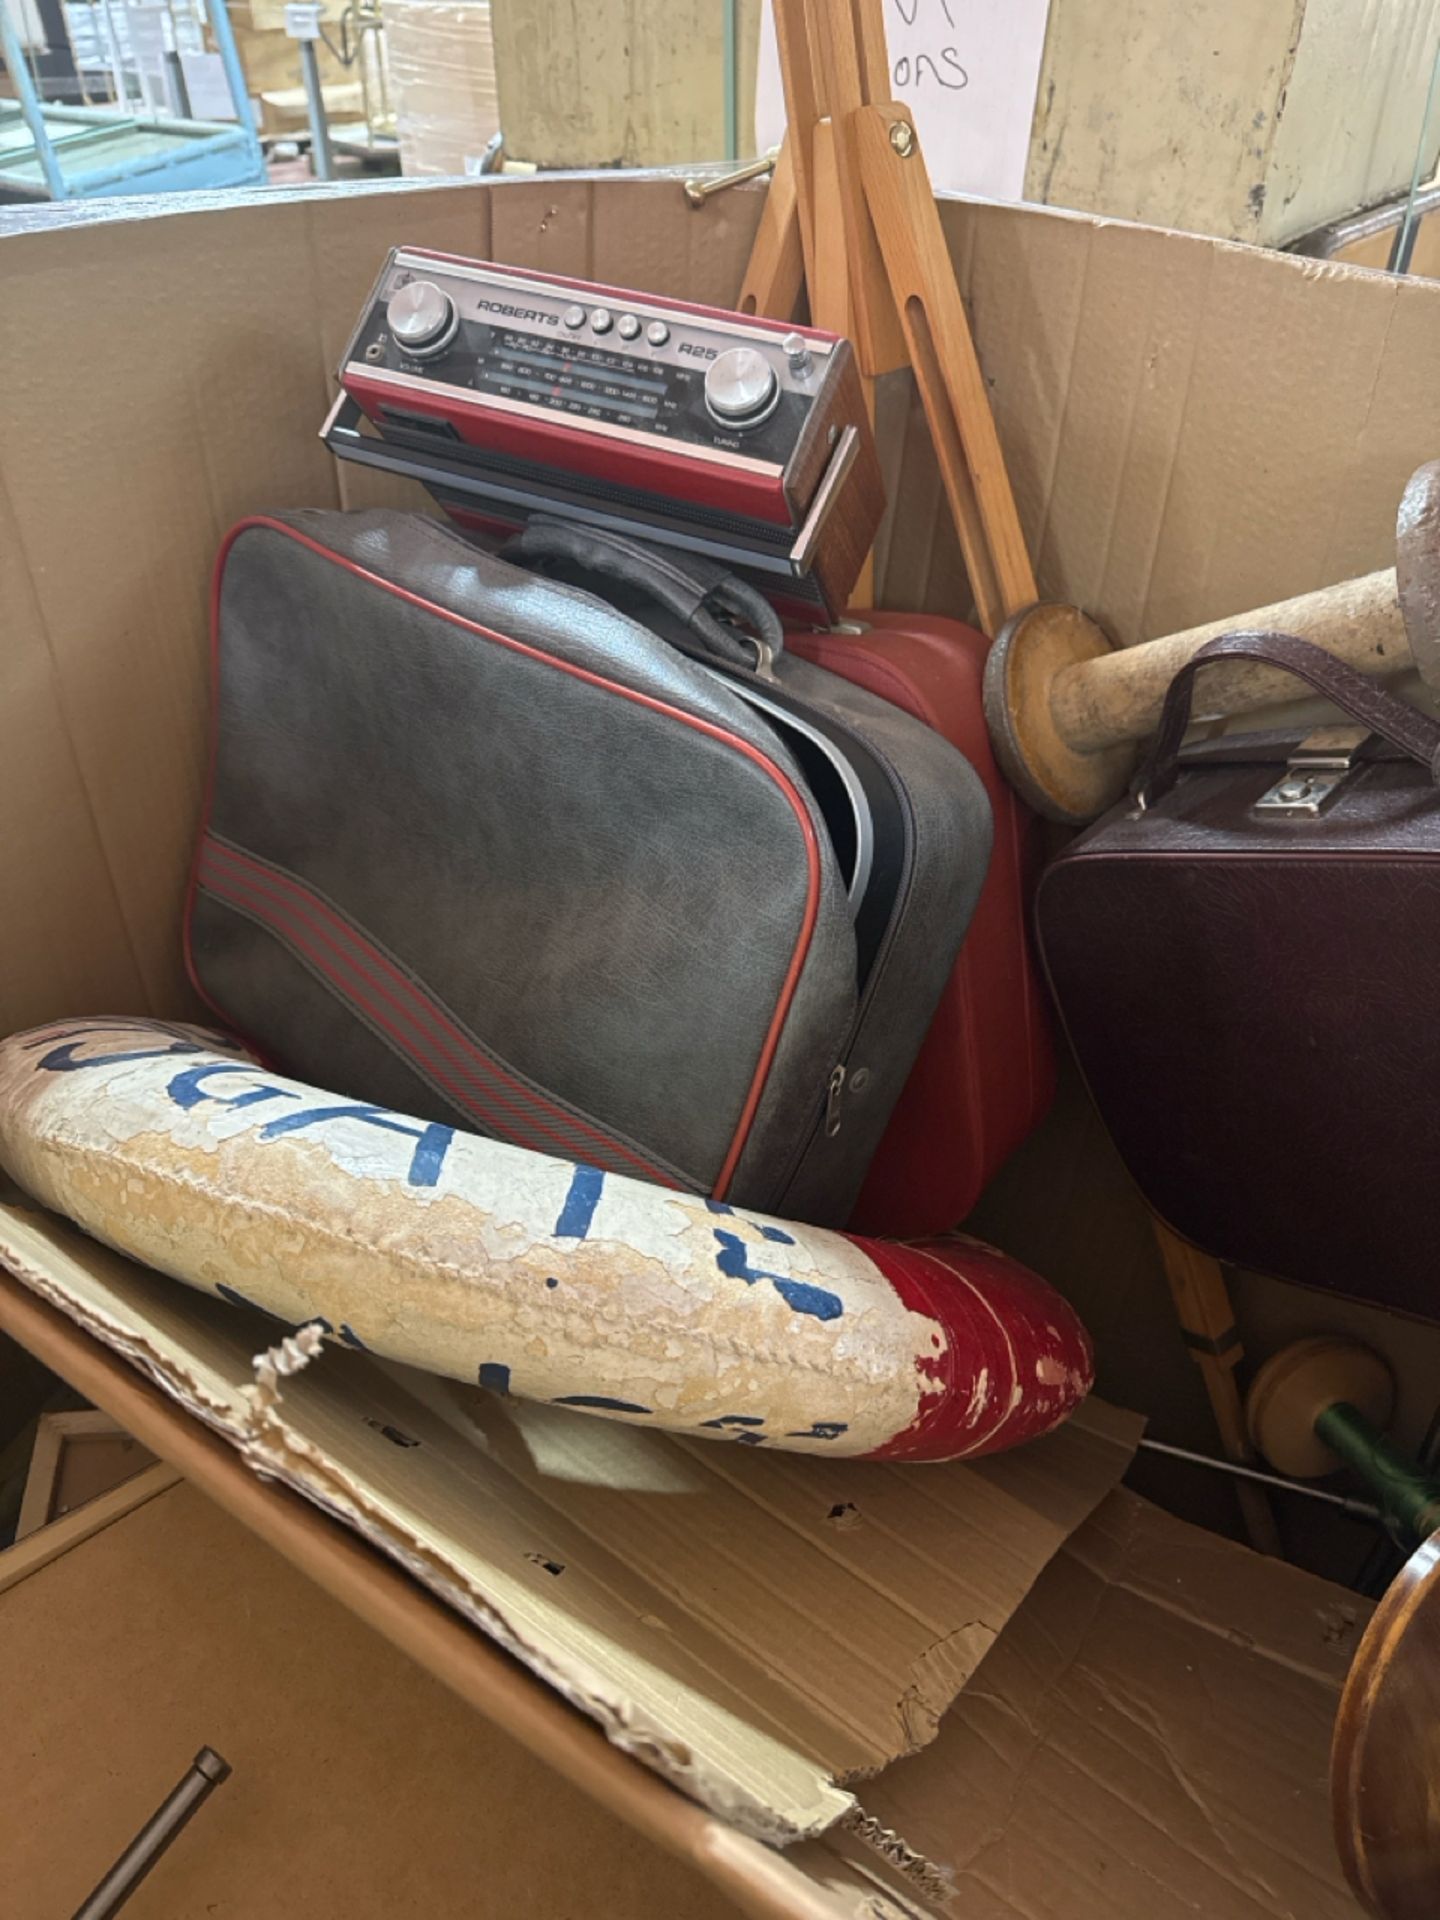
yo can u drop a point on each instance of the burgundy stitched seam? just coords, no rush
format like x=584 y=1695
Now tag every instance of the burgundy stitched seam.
x=461 y=1058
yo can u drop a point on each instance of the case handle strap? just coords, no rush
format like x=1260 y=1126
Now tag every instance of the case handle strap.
x=708 y=600
x=1404 y=726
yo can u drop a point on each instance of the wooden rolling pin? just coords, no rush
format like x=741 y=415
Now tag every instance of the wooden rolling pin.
x=1066 y=707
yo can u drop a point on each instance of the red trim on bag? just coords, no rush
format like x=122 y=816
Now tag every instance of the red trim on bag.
x=771 y=1042
x=192 y=884
x=254 y=879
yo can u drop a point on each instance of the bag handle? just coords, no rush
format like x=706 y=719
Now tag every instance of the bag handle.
x=1404 y=726
x=704 y=596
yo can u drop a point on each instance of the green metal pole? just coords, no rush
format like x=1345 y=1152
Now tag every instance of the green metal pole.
x=1408 y=1495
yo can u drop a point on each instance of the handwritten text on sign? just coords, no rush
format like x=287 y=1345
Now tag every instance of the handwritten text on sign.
x=966 y=69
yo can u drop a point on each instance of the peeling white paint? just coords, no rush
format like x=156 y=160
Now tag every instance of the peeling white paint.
x=465 y=1256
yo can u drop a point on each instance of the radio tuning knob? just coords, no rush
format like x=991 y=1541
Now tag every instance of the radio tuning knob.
x=421 y=318
x=797 y=352
x=740 y=387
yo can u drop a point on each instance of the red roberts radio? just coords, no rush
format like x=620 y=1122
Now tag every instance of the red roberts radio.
x=508 y=393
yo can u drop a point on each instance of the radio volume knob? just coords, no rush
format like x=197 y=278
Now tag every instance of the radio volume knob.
x=740 y=387
x=421 y=318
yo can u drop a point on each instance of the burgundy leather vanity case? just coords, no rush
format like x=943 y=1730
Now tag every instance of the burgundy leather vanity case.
x=1245 y=960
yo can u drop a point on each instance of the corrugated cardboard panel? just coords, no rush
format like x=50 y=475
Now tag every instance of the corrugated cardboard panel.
x=167 y=372
x=1193 y=428
x=1149 y=1739
x=759 y=1630
x=361 y=1786
x=382 y=1594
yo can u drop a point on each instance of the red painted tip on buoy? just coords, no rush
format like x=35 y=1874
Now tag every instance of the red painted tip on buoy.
x=1018 y=1360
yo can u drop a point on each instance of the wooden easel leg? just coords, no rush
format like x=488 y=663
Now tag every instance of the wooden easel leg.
x=775 y=277
x=1207 y=1319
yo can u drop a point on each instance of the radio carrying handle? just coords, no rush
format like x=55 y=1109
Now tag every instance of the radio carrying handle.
x=882 y=273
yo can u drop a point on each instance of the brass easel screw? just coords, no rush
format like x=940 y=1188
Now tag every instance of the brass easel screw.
x=902 y=138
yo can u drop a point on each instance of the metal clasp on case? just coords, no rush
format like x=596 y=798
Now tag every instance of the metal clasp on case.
x=1314 y=771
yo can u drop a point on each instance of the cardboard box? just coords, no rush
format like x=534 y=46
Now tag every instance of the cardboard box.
x=361 y=1788
x=441 y=57
x=1139 y=1710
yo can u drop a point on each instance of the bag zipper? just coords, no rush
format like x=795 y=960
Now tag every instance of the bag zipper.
x=831 y=1116
x=834 y=1087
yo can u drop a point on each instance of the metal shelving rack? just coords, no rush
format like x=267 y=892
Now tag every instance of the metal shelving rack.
x=54 y=151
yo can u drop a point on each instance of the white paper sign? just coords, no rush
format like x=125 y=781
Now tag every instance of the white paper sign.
x=966 y=69
x=208 y=86
x=302 y=19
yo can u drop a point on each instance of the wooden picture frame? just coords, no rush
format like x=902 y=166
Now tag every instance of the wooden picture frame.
x=76 y=1458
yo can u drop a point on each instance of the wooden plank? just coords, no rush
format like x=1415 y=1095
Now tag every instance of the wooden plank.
x=874 y=325
x=947 y=370
x=76 y=1455
x=775 y=278
x=40 y=1479
x=47 y=1543
x=869 y=19
x=832 y=300
x=802 y=112
x=1207 y=1319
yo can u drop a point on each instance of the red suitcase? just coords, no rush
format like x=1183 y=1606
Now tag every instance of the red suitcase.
x=986 y=1072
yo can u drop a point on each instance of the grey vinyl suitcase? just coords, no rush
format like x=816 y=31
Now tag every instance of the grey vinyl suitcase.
x=481 y=847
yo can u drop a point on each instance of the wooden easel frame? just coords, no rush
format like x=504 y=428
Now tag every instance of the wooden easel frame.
x=881 y=274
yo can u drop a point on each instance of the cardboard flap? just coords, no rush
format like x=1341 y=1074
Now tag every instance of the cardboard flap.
x=1151 y=1735
x=759 y=1628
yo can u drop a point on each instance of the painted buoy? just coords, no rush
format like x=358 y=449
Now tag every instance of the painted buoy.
x=523 y=1273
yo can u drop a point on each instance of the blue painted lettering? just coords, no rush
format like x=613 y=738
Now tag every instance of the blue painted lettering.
x=188 y=1089
x=602 y=1400
x=151 y=1027
x=733 y=1260
x=586 y=1186
x=432 y=1142
x=63 y=1060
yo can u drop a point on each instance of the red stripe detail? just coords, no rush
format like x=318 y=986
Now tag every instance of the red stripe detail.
x=786 y=786
x=1017 y=1360
x=570 y=444
x=455 y=1049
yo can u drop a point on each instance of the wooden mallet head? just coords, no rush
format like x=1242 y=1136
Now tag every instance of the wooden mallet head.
x=1067 y=708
